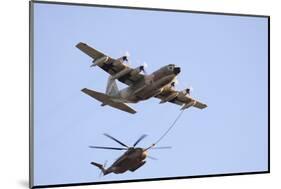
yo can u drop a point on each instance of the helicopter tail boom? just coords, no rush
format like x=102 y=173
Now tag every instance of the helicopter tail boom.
x=100 y=166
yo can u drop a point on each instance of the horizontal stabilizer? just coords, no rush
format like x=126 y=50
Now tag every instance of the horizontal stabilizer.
x=108 y=100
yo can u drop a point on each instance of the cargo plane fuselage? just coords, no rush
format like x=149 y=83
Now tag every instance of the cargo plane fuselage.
x=150 y=86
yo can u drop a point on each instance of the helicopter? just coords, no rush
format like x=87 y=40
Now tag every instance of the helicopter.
x=131 y=160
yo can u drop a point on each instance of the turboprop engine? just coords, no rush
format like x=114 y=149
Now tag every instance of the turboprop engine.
x=126 y=71
x=169 y=98
x=185 y=91
x=121 y=59
x=138 y=70
x=174 y=95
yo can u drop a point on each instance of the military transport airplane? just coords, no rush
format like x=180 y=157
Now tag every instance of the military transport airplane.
x=159 y=84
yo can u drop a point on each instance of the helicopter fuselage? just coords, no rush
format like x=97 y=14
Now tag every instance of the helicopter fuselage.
x=131 y=160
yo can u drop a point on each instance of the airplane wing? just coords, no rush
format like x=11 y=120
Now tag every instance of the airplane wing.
x=177 y=97
x=115 y=67
x=107 y=100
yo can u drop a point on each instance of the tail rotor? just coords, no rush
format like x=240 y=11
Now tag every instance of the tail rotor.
x=102 y=170
x=101 y=167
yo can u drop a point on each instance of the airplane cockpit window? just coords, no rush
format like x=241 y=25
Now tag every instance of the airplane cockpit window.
x=171 y=67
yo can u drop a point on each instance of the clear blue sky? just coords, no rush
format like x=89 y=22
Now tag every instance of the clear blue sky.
x=224 y=58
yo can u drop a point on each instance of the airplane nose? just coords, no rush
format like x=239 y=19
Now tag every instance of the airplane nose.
x=177 y=70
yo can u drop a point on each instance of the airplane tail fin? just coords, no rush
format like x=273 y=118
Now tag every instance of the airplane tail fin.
x=108 y=100
x=111 y=88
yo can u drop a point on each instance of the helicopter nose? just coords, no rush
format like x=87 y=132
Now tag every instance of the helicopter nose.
x=144 y=154
x=177 y=70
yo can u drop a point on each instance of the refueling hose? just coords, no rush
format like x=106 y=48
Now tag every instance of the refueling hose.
x=168 y=130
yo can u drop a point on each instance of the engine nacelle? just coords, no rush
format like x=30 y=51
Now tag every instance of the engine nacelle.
x=169 y=98
x=100 y=61
x=137 y=70
x=185 y=91
x=120 y=60
x=125 y=71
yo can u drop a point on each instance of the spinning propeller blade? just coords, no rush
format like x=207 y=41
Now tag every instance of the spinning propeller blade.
x=119 y=142
x=107 y=148
x=126 y=61
x=104 y=165
x=153 y=158
x=127 y=54
x=152 y=147
x=140 y=139
x=144 y=66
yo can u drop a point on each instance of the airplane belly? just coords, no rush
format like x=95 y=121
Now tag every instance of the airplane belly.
x=128 y=96
x=154 y=88
x=148 y=94
x=143 y=91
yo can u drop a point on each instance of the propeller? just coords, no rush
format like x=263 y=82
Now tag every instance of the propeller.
x=104 y=165
x=152 y=147
x=188 y=90
x=127 y=147
x=143 y=68
x=140 y=139
x=191 y=89
x=127 y=54
x=119 y=142
x=125 y=58
x=150 y=157
x=107 y=148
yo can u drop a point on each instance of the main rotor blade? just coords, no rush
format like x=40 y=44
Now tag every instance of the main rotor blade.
x=159 y=148
x=107 y=148
x=140 y=139
x=119 y=142
x=153 y=158
x=156 y=148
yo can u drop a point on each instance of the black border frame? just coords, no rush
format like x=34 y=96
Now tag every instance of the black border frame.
x=31 y=90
